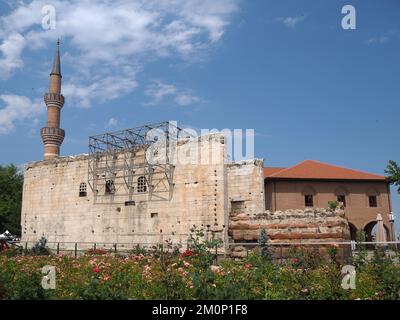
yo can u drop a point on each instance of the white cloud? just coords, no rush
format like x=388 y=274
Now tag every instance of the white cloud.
x=158 y=91
x=16 y=109
x=212 y=15
x=116 y=38
x=10 y=58
x=112 y=122
x=378 y=40
x=105 y=89
x=291 y=22
x=387 y=36
x=186 y=99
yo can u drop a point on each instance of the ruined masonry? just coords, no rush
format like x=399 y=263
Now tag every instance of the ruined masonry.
x=295 y=227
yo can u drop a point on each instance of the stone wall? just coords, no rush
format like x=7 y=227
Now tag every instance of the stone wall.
x=53 y=208
x=291 y=227
x=246 y=187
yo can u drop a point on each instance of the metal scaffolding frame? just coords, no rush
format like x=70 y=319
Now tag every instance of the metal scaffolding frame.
x=121 y=158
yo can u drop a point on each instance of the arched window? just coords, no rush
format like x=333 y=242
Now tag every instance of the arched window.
x=372 y=201
x=353 y=231
x=370 y=232
x=141 y=184
x=110 y=188
x=309 y=190
x=373 y=198
x=341 y=194
x=308 y=193
x=82 y=190
x=309 y=200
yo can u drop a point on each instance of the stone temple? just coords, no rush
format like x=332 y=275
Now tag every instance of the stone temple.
x=151 y=184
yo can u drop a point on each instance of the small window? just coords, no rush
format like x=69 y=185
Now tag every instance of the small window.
x=82 y=190
x=154 y=214
x=373 y=203
x=110 y=188
x=142 y=184
x=308 y=200
x=342 y=198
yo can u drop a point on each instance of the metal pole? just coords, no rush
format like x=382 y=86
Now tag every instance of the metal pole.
x=394 y=235
x=392 y=231
x=76 y=250
x=26 y=248
x=58 y=248
x=115 y=250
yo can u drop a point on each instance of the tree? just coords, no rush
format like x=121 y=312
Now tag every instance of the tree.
x=11 y=183
x=265 y=250
x=393 y=172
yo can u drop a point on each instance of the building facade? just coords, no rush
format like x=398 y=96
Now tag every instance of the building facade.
x=313 y=184
x=60 y=204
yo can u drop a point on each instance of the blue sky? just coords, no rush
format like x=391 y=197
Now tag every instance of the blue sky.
x=310 y=89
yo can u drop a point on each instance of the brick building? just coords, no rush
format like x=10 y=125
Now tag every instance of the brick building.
x=312 y=184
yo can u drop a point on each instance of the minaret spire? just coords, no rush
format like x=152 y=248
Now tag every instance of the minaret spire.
x=52 y=134
x=57 y=61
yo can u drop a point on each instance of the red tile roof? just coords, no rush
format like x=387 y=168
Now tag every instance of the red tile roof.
x=310 y=169
x=271 y=170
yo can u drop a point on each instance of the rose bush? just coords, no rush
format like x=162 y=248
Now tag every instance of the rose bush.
x=187 y=277
x=195 y=274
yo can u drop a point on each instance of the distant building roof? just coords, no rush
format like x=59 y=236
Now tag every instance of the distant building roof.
x=310 y=169
x=268 y=171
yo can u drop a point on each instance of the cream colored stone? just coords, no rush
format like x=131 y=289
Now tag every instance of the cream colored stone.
x=201 y=192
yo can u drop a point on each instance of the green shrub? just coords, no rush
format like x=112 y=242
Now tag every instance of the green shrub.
x=167 y=273
x=40 y=248
x=186 y=276
x=333 y=205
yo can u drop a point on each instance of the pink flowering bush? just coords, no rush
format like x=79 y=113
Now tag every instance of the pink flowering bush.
x=195 y=274
x=177 y=277
x=93 y=251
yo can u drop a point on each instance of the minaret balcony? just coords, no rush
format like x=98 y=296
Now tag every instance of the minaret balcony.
x=52 y=135
x=54 y=99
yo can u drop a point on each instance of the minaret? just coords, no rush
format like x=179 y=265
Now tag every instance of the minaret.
x=52 y=134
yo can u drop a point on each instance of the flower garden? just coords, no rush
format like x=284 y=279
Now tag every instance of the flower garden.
x=193 y=274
